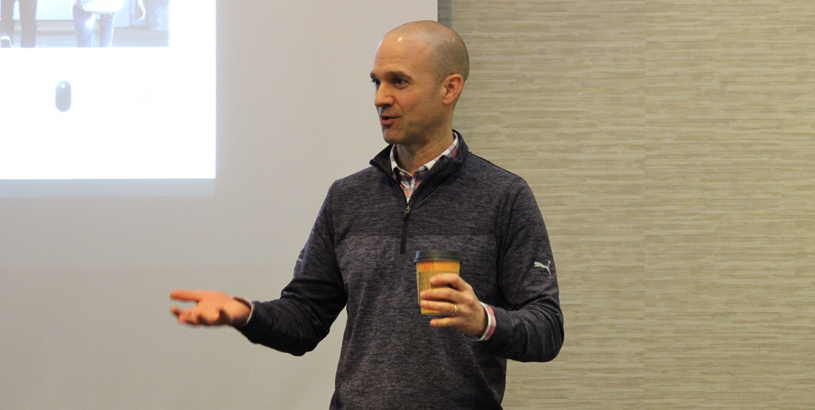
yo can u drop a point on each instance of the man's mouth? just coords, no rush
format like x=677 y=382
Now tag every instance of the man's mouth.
x=387 y=120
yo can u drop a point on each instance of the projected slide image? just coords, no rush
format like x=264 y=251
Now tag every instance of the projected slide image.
x=84 y=23
x=141 y=112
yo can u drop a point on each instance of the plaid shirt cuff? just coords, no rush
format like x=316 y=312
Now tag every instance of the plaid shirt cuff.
x=490 y=323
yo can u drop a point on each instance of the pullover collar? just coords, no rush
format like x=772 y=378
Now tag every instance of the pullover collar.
x=444 y=167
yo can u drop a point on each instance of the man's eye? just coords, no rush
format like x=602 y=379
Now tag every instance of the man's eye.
x=375 y=83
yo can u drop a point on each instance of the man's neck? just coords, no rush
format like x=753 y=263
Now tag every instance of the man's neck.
x=412 y=157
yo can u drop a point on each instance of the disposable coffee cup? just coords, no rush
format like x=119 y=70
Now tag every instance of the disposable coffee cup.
x=431 y=263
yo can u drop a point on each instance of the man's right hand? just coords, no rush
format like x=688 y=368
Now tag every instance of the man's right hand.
x=212 y=308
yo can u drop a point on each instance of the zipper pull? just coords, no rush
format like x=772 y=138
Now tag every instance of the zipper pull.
x=407 y=211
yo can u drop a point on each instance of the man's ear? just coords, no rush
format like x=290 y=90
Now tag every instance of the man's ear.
x=453 y=85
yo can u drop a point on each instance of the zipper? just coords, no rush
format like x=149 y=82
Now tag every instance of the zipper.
x=406 y=213
x=405 y=218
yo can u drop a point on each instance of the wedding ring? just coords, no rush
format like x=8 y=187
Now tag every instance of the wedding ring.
x=455 y=311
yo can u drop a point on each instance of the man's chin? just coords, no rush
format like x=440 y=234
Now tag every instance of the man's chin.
x=390 y=137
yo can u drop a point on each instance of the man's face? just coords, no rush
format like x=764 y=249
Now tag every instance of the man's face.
x=408 y=95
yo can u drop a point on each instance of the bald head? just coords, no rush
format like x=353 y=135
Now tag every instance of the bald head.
x=448 y=52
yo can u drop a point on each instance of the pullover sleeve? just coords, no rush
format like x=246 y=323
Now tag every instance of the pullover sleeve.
x=310 y=303
x=529 y=327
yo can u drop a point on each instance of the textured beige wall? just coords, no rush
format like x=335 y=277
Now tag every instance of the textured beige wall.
x=670 y=146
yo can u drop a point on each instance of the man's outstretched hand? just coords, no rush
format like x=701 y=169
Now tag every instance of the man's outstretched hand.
x=212 y=308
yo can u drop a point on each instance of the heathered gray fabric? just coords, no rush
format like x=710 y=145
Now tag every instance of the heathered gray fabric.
x=391 y=358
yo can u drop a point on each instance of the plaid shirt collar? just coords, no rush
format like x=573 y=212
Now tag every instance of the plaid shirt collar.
x=411 y=182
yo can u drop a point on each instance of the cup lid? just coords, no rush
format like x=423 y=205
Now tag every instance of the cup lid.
x=430 y=255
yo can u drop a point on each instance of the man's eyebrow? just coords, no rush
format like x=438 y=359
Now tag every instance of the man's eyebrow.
x=392 y=74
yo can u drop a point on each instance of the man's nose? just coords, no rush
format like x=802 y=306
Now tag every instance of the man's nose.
x=383 y=96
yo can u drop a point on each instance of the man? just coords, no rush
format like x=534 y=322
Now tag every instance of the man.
x=425 y=191
x=28 y=23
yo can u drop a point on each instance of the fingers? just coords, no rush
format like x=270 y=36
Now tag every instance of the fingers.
x=469 y=320
x=176 y=310
x=444 y=322
x=454 y=297
x=200 y=314
x=449 y=287
x=186 y=295
x=445 y=308
x=450 y=295
x=212 y=308
x=460 y=316
x=449 y=279
x=206 y=316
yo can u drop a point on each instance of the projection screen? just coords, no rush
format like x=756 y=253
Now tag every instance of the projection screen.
x=190 y=183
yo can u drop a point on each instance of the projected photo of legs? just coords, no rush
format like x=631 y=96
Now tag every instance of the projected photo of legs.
x=28 y=22
x=84 y=23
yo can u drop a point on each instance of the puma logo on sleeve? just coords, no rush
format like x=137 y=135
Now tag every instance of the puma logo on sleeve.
x=542 y=266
